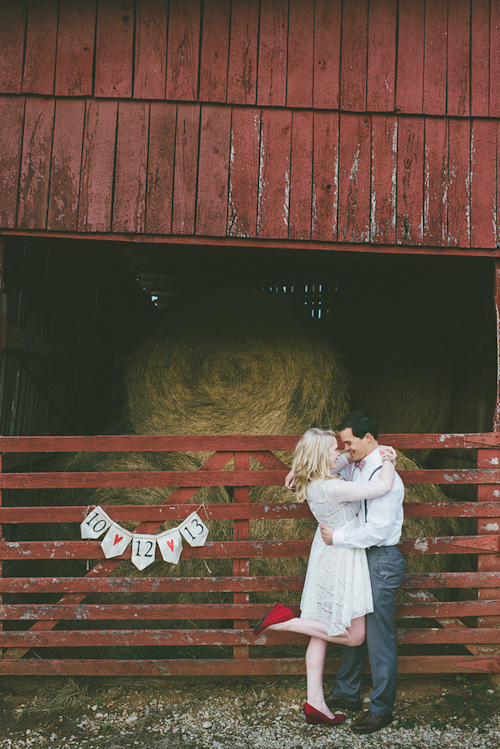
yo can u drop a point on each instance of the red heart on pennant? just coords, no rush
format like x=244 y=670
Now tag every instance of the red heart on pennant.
x=170 y=544
x=117 y=539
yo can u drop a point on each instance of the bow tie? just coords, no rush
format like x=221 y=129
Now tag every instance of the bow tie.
x=360 y=464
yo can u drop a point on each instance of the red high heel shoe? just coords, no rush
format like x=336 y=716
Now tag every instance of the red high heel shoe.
x=315 y=717
x=276 y=615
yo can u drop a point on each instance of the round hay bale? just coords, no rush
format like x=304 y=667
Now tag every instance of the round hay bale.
x=234 y=362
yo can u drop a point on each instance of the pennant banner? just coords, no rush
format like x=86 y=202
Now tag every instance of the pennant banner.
x=117 y=539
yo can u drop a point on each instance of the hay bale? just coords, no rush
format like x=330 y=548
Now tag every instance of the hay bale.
x=236 y=362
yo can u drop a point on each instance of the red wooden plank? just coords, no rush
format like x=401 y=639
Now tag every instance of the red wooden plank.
x=160 y=184
x=353 y=70
x=381 y=80
x=147 y=443
x=244 y=173
x=213 y=170
x=412 y=581
x=75 y=479
x=327 y=26
x=436 y=182
x=162 y=611
x=215 y=50
x=459 y=64
x=273 y=47
x=40 y=53
x=11 y=139
x=410 y=66
x=129 y=204
x=65 y=168
x=325 y=176
x=150 y=59
x=274 y=173
x=186 y=162
x=300 y=65
x=301 y=175
x=35 y=164
x=114 y=48
x=96 y=188
x=243 y=50
x=243 y=636
x=225 y=667
x=494 y=109
x=75 y=48
x=34 y=550
x=480 y=60
x=12 y=33
x=220 y=637
x=183 y=50
x=435 y=58
x=459 y=183
x=410 y=189
x=483 y=183
x=94 y=479
x=384 y=179
x=354 y=178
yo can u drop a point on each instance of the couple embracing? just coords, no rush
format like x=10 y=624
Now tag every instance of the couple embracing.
x=354 y=569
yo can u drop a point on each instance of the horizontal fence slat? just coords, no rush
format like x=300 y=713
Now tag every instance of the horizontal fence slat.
x=230 y=637
x=122 y=479
x=228 y=511
x=151 y=584
x=154 y=443
x=239 y=667
x=243 y=611
x=220 y=585
x=241 y=549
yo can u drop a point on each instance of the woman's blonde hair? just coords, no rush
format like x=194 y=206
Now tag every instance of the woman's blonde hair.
x=310 y=460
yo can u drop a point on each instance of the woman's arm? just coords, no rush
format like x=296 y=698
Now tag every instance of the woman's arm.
x=353 y=491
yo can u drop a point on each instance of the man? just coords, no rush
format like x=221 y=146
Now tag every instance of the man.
x=379 y=535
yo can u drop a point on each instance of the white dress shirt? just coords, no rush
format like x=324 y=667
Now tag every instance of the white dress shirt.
x=384 y=518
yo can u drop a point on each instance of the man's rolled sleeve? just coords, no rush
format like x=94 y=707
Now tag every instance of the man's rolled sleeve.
x=338 y=538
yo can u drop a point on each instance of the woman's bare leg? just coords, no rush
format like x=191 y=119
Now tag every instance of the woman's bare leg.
x=315 y=662
x=353 y=636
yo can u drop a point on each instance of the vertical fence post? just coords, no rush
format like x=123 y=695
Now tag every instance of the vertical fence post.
x=491 y=459
x=241 y=533
x=3 y=343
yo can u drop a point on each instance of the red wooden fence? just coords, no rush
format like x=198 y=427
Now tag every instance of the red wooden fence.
x=61 y=600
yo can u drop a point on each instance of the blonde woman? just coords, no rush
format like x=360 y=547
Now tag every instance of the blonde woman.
x=337 y=592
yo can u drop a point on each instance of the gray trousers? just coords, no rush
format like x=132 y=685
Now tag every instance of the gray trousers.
x=386 y=567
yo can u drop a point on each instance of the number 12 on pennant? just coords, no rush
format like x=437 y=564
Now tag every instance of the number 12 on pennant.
x=143 y=550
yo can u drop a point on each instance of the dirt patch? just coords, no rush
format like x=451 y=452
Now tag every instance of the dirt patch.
x=65 y=713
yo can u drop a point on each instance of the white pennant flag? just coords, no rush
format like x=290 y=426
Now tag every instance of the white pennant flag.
x=143 y=550
x=194 y=530
x=115 y=541
x=170 y=545
x=95 y=524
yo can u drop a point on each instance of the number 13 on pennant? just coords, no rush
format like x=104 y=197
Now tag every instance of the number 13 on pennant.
x=194 y=530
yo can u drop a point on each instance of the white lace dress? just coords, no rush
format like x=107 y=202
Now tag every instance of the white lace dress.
x=337 y=587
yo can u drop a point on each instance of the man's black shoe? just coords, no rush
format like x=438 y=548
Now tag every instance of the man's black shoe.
x=371 y=722
x=335 y=702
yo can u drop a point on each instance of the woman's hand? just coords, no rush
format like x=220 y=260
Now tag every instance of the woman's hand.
x=290 y=480
x=388 y=452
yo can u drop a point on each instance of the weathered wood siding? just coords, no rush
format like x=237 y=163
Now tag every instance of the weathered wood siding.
x=368 y=121
x=99 y=165
x=411 y=56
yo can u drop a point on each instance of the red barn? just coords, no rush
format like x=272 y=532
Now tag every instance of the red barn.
x=154 y=147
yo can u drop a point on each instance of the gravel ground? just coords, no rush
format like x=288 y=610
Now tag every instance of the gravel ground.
x=258 y=716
